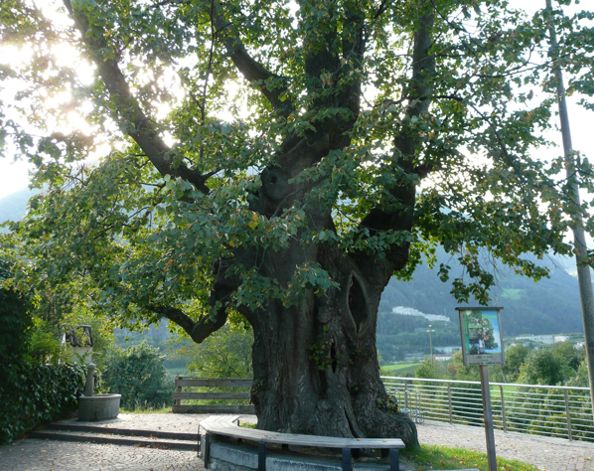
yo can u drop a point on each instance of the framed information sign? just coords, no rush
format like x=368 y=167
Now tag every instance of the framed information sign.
x=480 y=330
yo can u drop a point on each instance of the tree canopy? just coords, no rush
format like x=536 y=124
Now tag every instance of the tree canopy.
x=213 y=94
x=200 y=157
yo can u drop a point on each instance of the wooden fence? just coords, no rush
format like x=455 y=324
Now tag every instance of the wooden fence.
x=210 y=396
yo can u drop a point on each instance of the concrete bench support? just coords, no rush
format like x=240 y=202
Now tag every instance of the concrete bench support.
x=347 y=462
x=262 y=456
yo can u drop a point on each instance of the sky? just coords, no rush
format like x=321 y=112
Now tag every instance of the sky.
x=14 y=175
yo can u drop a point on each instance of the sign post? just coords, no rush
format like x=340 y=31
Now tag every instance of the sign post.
x=480 y=330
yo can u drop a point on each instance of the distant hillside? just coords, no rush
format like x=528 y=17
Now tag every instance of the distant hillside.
x=14 y=206
x=550 y=306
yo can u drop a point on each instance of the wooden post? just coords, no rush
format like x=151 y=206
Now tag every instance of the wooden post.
x=178 y=389
x=488 y=418
x=206 y=441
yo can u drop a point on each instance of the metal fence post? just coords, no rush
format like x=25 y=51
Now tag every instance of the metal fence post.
x=450 y=401
x=502 y=395
x=568 y=415
x=406 y=383
x=525 y=408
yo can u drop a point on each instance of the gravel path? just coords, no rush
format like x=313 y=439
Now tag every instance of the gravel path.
x=548 y=454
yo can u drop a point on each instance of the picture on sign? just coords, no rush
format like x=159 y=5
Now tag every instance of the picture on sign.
x=481 y=336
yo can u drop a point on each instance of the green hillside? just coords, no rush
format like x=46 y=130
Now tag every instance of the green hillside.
x=545 y=307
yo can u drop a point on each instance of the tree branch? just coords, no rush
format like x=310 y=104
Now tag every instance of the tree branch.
x=197 y=330
x=272 y=86
x=221 y=292
x=395 y=210
x=131 y=118
x=353 y=48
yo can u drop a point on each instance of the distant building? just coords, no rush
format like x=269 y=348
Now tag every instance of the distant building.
x=542 y=339
x=411 y=311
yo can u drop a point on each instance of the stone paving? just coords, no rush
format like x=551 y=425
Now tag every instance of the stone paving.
x=548 y=454
x=166 y=422
x=49 y=455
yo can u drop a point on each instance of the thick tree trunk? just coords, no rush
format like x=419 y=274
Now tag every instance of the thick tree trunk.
x=315 y=364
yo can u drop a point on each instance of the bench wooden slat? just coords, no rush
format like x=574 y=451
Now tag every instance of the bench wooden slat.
x=223 y=383
x=211 y=395
x=223 y=426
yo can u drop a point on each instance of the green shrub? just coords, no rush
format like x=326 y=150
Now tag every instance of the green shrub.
x=34 y=394
x=138 y=374
x=225 y=354
x=15 y=324
x=44 y=345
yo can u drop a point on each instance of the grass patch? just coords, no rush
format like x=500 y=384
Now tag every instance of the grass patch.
x=247 y=425
x=161 y=410
x=399 y=369
x=429 y=457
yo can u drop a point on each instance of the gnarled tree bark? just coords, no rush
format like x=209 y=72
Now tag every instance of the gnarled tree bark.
x=315 y=364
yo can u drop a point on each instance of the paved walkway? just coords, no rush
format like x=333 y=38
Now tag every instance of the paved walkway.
x=548 y=454
x=49 y=455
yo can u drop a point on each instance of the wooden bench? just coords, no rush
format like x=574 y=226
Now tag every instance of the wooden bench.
x=230 y=395
x=227 y=426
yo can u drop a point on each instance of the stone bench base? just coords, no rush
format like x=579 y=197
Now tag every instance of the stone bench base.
x=226 y=456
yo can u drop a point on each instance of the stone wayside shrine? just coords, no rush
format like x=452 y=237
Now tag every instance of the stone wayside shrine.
x=91 y=407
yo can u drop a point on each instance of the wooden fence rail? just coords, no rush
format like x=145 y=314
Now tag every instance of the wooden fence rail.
x=211 y=396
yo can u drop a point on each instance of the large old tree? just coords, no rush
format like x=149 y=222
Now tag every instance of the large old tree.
x=278 y=161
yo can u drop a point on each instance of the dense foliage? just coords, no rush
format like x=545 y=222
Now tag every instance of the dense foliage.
x=138 y=374
x=34 y=394
x=125 y=237
x=30 y=392
x=225 y=354
x=15 y=321
x=562 y=363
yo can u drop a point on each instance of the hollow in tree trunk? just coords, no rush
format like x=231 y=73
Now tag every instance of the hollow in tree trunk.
x=315 y=363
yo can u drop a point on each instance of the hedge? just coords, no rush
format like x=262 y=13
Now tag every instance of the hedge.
x=34 y=394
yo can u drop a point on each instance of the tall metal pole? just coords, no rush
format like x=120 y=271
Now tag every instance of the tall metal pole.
x=488 y=418
x=581 y=249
